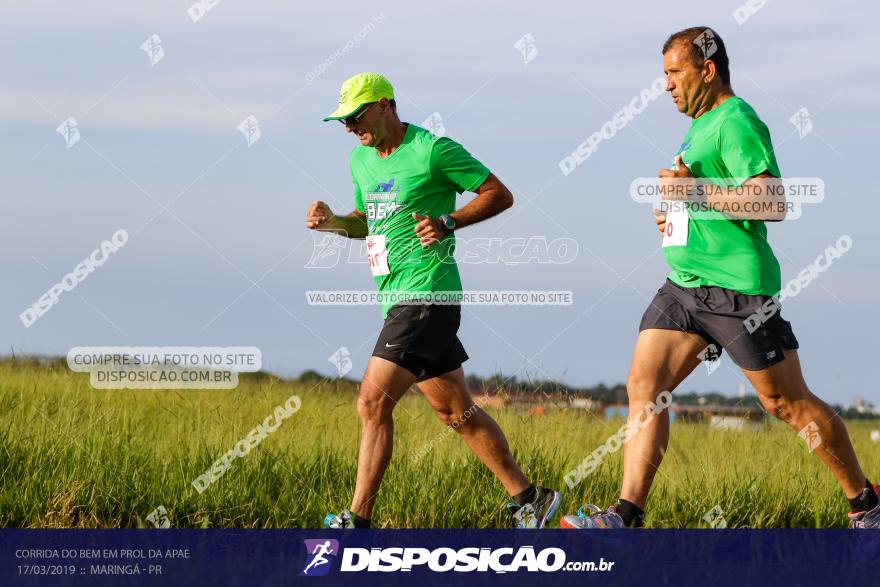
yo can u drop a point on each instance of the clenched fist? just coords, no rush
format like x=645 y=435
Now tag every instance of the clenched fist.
x=318 y=214
x=429 y=230
x=660 y=219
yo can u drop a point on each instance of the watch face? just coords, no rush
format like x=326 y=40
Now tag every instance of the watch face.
x=448 y=221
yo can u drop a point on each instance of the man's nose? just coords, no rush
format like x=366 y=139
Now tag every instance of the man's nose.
x=669 y=85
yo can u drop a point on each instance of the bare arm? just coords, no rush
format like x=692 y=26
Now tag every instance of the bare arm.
x=493 y=197
x=761 y=197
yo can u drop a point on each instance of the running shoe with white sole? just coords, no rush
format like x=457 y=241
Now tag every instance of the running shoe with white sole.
x=594 y=518
x=539 y=512
x=344 y=519
x=868 y=519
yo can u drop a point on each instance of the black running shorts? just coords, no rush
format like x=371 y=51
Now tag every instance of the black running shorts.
x=422 y=339
x=719 y=315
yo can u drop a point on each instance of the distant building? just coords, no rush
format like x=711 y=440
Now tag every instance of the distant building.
x=536 y=403
x=737 y=418
x=864 y=407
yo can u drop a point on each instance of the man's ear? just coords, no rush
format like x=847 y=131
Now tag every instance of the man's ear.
x=709 y=71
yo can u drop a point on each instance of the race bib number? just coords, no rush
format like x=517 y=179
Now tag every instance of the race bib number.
x=676 y=232
x=377 y=255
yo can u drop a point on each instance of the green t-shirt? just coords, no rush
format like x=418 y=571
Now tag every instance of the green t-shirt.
x=422 y=175
x=732 y=144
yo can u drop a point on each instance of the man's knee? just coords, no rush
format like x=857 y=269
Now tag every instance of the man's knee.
x=786 y=408
x=784 y=398
x=455 y=419
x=458 y=419
x=641 y=387
x=776 y=405
x=447 y=416
x=374 y=406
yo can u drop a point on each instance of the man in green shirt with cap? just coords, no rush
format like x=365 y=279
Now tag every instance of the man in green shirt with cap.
x=723 y=281
x=405 y=182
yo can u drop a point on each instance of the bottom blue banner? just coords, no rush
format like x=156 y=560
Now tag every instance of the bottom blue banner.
x=467 y=557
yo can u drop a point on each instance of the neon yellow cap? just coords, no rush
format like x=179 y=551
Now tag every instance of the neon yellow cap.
x=359 y=90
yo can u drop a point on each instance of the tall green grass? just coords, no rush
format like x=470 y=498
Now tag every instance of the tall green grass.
x=73 y=456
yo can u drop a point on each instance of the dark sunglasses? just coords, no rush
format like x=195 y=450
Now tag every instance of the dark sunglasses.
x=355 y=119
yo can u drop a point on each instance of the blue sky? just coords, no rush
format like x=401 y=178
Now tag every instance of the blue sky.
x=155 y=135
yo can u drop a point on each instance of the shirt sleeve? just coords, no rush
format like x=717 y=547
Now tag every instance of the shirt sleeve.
x=358 y=196
x=450 y=162
x=744 y=143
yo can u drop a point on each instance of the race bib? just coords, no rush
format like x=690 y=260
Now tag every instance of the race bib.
x=676 y=232
x=377 y=255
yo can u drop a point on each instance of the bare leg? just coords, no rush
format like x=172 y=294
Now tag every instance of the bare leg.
x=785 y=394
x=383 y=385
x=661 y=361
x=449 y=396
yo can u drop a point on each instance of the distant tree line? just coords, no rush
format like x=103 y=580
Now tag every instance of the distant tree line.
x=495 y=384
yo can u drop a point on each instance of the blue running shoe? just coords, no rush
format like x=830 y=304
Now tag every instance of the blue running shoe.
x=344 y=519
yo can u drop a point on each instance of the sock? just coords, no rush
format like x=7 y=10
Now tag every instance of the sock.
x=632 y=515
x=525 y=496
x=866 y=500
x=360 y=522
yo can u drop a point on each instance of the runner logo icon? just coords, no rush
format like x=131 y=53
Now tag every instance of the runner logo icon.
x=319 y=555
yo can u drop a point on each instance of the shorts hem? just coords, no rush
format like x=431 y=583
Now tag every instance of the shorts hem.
x=766 y=364
x=673 y=328
x=412 y=363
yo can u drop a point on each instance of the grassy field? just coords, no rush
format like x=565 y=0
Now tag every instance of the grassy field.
x=73 y=456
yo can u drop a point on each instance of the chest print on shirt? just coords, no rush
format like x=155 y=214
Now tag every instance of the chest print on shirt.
x=382 y=202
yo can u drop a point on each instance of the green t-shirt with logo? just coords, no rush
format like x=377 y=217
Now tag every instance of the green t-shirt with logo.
x=422 y=175
x=732 y=144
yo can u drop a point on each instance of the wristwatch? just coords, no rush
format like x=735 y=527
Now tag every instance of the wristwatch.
x=448 y=221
